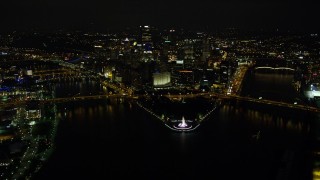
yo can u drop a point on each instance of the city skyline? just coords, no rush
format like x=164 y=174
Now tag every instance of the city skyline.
x=64 y=106
x=100 y=16
x=141 y=89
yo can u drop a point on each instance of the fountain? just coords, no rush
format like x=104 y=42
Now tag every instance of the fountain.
x=183 y=124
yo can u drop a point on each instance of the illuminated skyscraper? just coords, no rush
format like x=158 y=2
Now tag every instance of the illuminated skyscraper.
x=205 y=49
x=224 y=72
x=146 y=43
x=169 y=49
x=185 y=77
x=146 y=36
x=189 y=58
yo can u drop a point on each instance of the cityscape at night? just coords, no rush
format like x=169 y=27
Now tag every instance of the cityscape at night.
x=161 y=90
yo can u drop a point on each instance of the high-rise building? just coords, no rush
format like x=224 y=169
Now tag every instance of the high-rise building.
x=146 y=35
x=205 y=49
x=146 y=71
x=185 y=77
x=224 y=72
x=146 y=43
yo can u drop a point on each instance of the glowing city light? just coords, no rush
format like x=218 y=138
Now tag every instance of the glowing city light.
x=183 y=124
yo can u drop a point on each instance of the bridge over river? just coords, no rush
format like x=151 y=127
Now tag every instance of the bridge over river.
x=125 y=93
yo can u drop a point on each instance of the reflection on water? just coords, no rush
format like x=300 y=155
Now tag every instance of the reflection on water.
x=121 y=138
x=113 y=140
x=270 y=86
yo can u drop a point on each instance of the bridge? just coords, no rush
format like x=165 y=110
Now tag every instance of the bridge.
x=274 y=103
x=87 y=97
x=62 y=72
x=274 y=68
x=68 y=99
x=223 y=97
x=105 y=82
x=172 y=97
x=123 y=92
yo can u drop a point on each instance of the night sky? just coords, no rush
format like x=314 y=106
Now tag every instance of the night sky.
x=100 y=15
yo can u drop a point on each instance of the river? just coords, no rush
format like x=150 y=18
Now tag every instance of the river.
x=117 y=140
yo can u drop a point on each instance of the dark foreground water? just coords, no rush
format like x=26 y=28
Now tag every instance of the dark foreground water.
x=112 y=140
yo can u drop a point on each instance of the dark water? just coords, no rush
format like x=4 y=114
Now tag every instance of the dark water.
x=270 y=86
x=113 y=140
